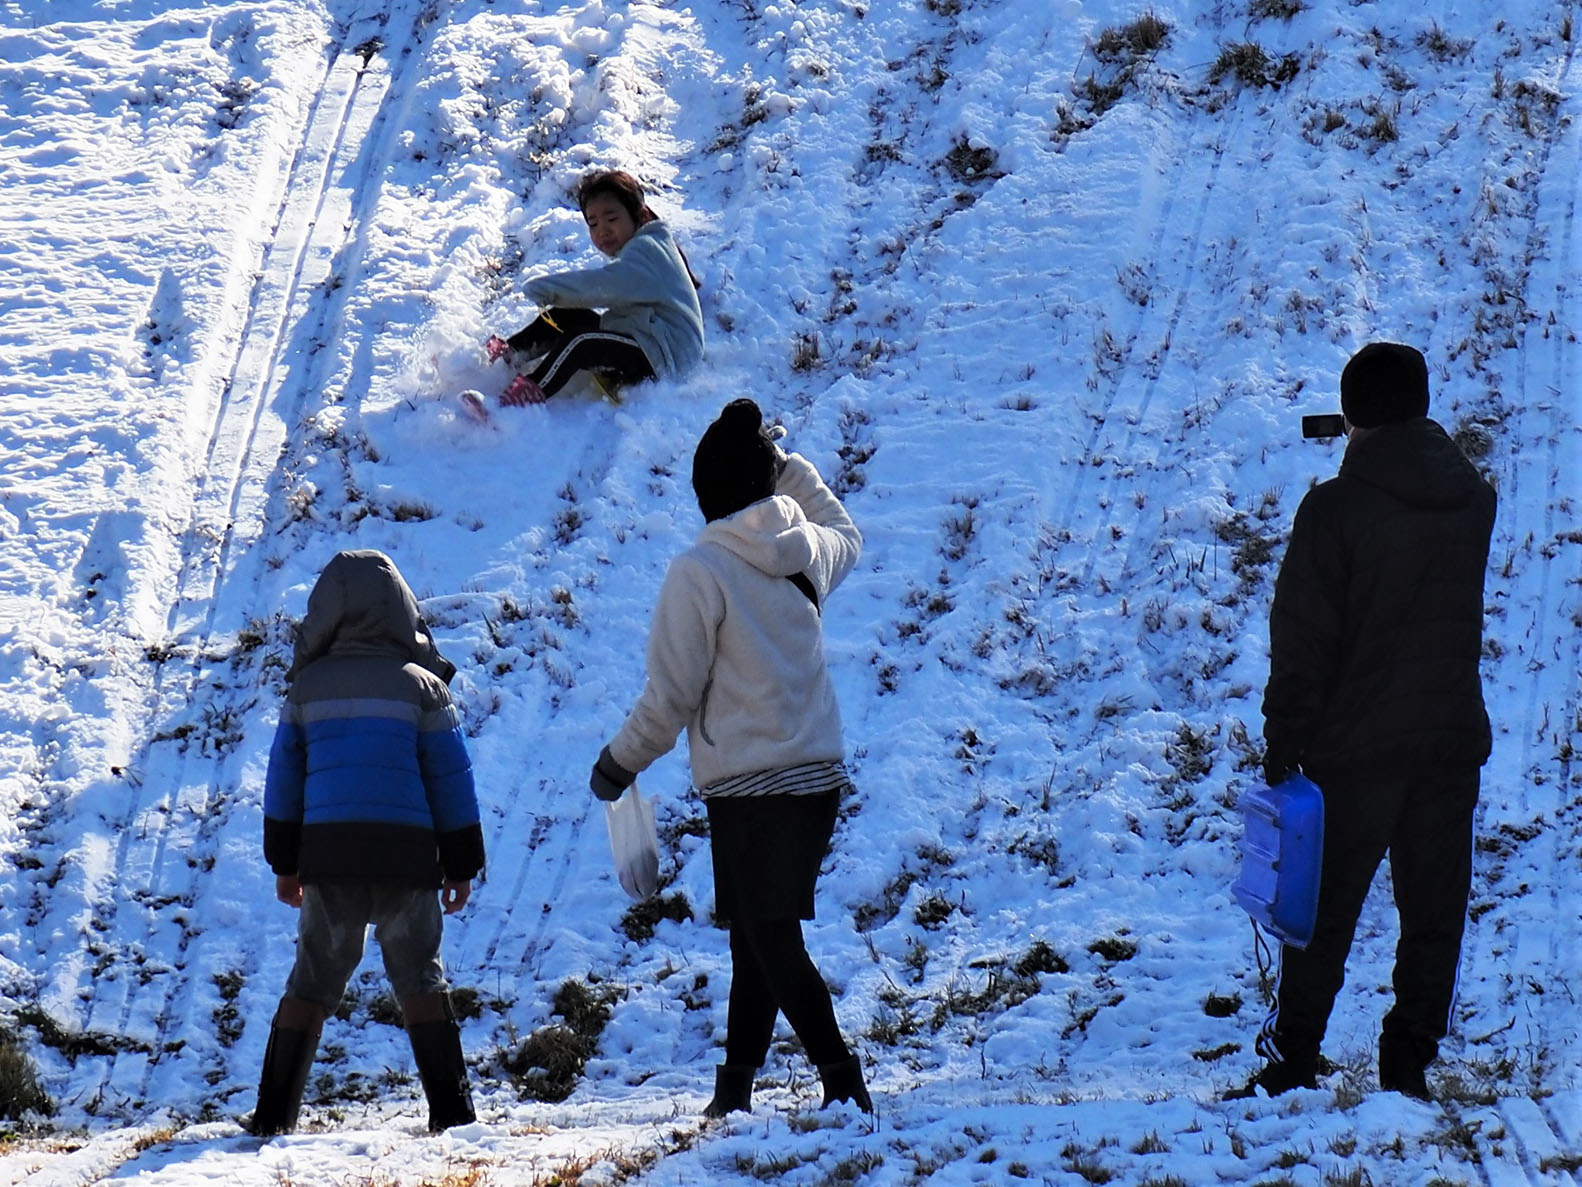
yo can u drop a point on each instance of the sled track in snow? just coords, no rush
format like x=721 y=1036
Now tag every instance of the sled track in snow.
x=519 y=936
x=168 y=840
x=1547 y=375
x=1538 y=928
x=521 y=941
x=1152 y=365
x=1552 y=403
x=1561 y=581
x=1520 y=1142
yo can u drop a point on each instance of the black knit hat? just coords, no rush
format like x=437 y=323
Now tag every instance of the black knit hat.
x=1383 y=383
x=734 y=465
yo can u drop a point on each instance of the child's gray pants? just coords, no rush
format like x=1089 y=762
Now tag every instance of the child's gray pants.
x=333 y=929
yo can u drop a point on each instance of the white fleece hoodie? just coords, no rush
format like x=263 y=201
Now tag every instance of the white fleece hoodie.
x=736 y=651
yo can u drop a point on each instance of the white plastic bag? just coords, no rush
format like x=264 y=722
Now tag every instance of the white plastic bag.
x=634 y=842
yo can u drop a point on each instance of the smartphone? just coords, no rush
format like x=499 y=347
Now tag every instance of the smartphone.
x=1331 y=424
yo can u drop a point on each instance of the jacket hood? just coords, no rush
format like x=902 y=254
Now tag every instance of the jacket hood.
x=772 y=535
x=1416 y=462
x=361 y=605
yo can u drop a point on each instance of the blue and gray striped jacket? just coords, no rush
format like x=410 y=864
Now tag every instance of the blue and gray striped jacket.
x=369 y=778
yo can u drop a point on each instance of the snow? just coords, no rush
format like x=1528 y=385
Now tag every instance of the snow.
x=1045 y=311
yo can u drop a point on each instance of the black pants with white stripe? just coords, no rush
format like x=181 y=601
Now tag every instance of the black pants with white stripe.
x=1424 y=822
x=578 y=345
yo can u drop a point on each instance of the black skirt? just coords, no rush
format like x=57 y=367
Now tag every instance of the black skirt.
x=767 y=852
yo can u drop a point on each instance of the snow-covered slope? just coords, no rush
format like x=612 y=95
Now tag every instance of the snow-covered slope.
x=1042 y=286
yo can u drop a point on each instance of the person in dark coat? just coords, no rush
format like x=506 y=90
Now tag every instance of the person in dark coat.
x=370 y=817
x=1374 y=693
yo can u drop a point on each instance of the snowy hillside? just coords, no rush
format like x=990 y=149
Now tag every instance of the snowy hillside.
x=1042 y=286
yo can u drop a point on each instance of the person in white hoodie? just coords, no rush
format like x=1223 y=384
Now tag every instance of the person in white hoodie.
x=652 y=324
x=736 y=657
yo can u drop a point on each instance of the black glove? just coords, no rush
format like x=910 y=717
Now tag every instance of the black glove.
x=609 y=778
x=1278 y=766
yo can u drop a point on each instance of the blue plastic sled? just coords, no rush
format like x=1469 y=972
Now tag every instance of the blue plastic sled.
x=1282 y=857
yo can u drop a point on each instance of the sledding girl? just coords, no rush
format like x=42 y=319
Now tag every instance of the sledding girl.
x=736 y=656
x=652 y=324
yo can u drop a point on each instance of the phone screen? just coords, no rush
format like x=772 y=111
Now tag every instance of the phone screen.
x=1329 y=425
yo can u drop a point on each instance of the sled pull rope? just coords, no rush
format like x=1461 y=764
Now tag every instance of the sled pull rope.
x=1262 y=953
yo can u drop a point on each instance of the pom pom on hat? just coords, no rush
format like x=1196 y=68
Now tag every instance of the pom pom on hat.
x=734 y=465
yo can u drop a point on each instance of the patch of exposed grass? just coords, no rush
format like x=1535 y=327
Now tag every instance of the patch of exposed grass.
x=549 y=1063
x=71 y=1044
x=1250 y=65
x=20 y=1091
x=1122 y=52
x=384 y=1009
x=1214 y=1054
x=1217 y=1005
x=933 y=911
x=968 y=164
x=642 y=918
x=1252 y=547
x=227 y=1018
x=1040 y=958
x=1126 y=43
x=1275 y=10
x=1190 y=753
x=1113 y=948
x=1438 y=44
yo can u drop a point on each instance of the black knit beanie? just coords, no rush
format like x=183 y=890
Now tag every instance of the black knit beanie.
x=734 y=465
x=1383 y=383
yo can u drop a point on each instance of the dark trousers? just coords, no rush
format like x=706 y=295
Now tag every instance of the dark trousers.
x=578 y=344
x=1424 y=822
x=771 y=973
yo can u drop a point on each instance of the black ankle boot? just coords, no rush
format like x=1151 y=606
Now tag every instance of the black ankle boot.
x=1402 y=1066
x=293 y=1039
x=733 y=1091
x=843 y=1081
x=436 y=1046
x=1277 y=1078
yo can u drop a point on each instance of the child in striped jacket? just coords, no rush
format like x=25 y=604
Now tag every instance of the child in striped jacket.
x=370 y=817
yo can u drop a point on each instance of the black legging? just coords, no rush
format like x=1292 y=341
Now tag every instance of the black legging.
x=771 y=973
x=578 y=345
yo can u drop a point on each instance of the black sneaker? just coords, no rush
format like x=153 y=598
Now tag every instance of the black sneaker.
x=1276 y=1078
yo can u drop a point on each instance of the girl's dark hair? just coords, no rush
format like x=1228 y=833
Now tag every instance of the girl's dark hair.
x=620 y=185
x=628 y=191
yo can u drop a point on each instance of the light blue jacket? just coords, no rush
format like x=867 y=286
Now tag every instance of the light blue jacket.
x=647 y=295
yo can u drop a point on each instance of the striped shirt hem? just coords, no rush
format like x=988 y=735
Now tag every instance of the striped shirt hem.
x=811 y=778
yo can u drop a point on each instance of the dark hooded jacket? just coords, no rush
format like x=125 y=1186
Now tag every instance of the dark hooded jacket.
x=1377 y=626
x=369 y=778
